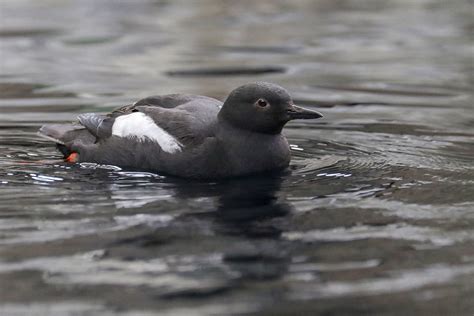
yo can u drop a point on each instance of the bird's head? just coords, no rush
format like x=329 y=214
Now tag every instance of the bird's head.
x=263 y=108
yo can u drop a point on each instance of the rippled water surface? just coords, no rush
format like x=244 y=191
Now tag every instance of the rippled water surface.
x=375 y=215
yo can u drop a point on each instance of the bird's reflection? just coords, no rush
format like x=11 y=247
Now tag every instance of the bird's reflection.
x=248 y=213
x=248 y=206
x=243 y=205
x=252 y=210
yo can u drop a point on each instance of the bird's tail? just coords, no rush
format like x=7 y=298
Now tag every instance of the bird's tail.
x=64 y=135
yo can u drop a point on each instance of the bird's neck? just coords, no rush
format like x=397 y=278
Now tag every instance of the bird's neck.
x=227 y=130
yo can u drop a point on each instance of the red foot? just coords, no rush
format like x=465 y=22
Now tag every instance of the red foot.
x=73 y=157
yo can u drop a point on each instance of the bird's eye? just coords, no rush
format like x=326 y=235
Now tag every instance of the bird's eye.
x=261 y=102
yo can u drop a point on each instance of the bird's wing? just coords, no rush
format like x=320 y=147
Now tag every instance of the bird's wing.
x=187 y=127
x=98 y=125
x=174 y=120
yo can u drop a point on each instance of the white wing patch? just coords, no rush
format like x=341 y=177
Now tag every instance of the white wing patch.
x=143 y=127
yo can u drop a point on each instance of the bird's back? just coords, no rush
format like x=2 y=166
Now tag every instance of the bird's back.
x=188 y=118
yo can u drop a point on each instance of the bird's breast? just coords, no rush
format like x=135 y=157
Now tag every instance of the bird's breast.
x=257 y=154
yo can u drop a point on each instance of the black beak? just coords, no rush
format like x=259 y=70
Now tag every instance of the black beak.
x=295 y=112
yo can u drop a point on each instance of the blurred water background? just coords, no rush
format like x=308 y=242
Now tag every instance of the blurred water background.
x=375 y=216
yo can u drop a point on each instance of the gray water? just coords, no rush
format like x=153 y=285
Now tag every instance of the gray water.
x=374 y=217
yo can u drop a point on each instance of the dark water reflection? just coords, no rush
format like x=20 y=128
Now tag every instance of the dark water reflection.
x=374 y=217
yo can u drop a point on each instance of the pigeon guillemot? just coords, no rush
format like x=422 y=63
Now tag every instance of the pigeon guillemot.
x=188 y=136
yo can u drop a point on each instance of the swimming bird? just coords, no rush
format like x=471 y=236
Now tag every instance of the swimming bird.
x=188 y=136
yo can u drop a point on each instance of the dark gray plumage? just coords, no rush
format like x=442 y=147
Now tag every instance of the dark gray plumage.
x=188 y=135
